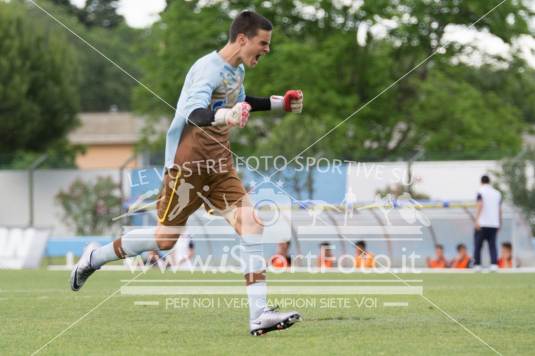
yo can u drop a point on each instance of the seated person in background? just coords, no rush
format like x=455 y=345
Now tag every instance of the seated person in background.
x=462 y=260
x=363 y=258
x=282 y=258
x=440 y=260
x=326 y=258
x=506 y=256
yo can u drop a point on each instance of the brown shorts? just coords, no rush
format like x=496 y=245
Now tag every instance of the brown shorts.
x=181 y=195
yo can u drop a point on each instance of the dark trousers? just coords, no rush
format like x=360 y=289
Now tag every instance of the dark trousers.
x=488 y=234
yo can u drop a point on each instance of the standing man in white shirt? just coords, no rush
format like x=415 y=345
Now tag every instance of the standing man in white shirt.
x=488 y=221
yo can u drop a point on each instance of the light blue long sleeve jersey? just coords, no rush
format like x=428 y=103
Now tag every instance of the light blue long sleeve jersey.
x=210 y=83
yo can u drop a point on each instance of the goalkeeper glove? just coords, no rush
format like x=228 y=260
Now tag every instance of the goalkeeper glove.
x=292 y=101
x=238 y=115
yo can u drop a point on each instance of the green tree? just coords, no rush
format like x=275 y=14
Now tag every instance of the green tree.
x=61 y=154
x=100 y=13
x=473 y=125
x=518 y=174
x=514 y=84
x=68 y=6
x=392 y=125
x=88 y=207
x=94 y=13
x=102 y=86
x=314 y=48
x=38 y=90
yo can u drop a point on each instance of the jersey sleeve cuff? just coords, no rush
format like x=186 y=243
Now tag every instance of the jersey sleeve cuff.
x=277 y=103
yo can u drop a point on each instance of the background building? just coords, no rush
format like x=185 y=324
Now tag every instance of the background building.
x=110 y=139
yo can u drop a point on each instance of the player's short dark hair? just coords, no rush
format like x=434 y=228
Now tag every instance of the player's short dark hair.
x=485 y=179
x=361 y=244
x=507 y=245
x=248 y=23
x=325 y=243
x=460 y=247
x=439 y=246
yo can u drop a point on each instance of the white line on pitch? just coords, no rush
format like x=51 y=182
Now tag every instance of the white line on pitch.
x=360 y=230
x=395 y=304
x=331 y=236
x=279 y=281
x=336 y=238
x=293 y=290
x=322 y=238
x=150 y=302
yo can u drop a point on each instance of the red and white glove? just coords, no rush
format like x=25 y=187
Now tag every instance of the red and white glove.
x=292 y=101
x=237 y=116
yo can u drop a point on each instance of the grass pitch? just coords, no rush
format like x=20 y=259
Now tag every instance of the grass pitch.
x=35 y=306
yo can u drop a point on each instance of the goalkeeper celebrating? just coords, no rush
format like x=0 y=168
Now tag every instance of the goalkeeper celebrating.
x=211 y=102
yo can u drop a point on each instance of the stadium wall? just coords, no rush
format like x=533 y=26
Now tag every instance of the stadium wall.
x=444 y=180
x=457 y=180
x=14 y=190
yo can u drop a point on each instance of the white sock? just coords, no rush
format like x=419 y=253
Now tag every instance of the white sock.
x=256 y=296
x=252 y=260
x=252 y=254
x=102 y=255
x=132 y=244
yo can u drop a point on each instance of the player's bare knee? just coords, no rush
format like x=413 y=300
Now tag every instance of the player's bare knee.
x=247 y=222
x=166 y=241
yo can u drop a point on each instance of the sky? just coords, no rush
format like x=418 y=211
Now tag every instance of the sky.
x=141 y=13
x=138 y=13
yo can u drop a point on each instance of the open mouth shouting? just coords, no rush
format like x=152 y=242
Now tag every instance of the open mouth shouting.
x=255 y=59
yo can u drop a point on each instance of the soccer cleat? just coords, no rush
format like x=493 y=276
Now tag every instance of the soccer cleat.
x=271 y=320
x=82 y=270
